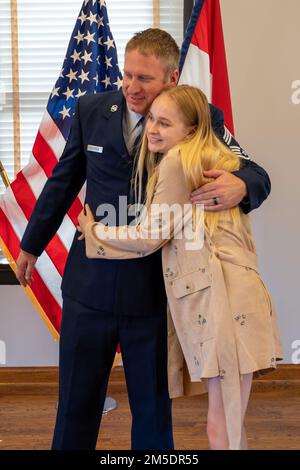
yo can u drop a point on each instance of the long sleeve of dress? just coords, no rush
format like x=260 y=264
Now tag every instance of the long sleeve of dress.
x=169 y=212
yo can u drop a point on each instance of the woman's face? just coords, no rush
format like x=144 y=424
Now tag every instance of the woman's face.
x=165 y=126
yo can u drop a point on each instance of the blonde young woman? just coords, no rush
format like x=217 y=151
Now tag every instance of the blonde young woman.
x=222 y=324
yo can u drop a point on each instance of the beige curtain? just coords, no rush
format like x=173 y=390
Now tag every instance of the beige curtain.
x=156 y=13
x=15 y=84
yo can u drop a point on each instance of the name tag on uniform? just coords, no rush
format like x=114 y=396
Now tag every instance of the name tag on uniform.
x=94 y=148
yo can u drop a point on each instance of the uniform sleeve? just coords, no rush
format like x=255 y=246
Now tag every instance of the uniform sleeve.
x=254 y=176
x=169 y=211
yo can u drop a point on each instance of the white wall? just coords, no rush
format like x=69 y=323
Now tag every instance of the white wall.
x=262 y=42
x=25 y=336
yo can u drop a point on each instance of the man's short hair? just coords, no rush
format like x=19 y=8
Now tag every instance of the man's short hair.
x=157 y=42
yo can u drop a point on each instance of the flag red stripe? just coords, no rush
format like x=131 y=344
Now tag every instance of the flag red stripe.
x=47 y=160
x=74 y=211
x=39 y=288
x=208 y=37
x=220 y=86
x=23 y=194
x=26 y=201
x=201 y=37
x=44 y=154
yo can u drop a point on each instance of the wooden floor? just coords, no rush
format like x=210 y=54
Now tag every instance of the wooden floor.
x=28 y=408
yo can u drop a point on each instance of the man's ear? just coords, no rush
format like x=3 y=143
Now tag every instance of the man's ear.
x=174 y=77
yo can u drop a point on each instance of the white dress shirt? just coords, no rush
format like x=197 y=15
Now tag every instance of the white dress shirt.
x=131 y=128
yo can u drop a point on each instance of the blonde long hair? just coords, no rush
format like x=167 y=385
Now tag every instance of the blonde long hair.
x=203 y=151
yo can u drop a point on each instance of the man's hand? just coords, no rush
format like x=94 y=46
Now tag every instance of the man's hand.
x=225 y=192
x=25 y=265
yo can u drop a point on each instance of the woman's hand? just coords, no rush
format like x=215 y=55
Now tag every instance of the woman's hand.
x=84 y=218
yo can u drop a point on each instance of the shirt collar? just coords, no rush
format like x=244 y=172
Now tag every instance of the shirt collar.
x=132 y=119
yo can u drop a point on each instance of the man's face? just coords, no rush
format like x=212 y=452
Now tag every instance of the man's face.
x=144 y=78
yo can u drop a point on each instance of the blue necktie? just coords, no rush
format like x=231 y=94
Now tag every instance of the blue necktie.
x=138 y=131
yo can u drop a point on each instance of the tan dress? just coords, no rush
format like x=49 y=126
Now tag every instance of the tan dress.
x=221 y=318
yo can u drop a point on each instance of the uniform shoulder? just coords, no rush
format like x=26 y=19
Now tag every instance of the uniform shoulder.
x=99 y=99
x=216 y=113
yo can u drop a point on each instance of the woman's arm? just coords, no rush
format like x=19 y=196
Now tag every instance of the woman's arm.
x=165 y=218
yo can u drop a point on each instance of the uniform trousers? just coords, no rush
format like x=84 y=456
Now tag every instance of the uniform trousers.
x=88 y=344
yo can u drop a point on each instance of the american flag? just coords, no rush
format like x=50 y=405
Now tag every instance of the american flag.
x=203 y=58
x=90 y=66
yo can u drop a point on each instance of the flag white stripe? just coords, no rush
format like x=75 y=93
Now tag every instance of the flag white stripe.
x=35 y=176
x=196 y=71
x=82 y=194
x=44 y=265
x=66 y=232
x=52 y=135
x=36 y=179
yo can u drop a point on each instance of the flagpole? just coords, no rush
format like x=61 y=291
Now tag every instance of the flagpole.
x=4 y=176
